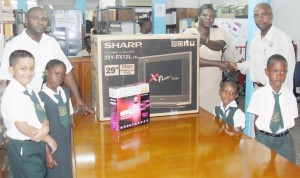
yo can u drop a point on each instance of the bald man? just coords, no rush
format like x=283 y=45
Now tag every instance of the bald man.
x=44 y=48
x=268 y=40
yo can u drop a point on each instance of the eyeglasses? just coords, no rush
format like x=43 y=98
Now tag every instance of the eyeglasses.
x=263 y=15
x=228 y=92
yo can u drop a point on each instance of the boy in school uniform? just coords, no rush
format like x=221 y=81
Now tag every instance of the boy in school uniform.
x=275 y=108
x=227 y=110
x=25 y=120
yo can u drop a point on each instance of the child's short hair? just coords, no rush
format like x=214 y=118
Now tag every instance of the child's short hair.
x=276 y=57
x=230 y=81
x=54 y=62
x=142 y=21
x=16 y=55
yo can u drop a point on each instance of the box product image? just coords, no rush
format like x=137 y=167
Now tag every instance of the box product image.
x=157 y=70
x=130 y=106
x=169 y=63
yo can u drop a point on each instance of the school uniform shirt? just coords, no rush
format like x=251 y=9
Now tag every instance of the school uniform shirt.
x=261 y=48
x=238 y=117
x=16 y=106
x=83 y=53
x=262 y=104
x=51 y=94
x=43 y=52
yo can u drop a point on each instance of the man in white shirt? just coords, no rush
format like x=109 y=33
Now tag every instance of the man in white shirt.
x=268 y=40
x=87 y=50
x=44 y=48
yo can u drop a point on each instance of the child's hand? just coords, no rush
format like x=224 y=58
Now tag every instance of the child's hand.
x=40 y=134
x=51 y=162
x=52 y=143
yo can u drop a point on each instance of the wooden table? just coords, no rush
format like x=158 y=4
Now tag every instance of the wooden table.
x=175 y=146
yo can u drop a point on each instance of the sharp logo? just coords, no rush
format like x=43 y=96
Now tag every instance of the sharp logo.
x=110 y=45
x=183 y=43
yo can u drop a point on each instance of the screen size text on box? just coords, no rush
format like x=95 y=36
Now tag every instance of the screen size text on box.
x=122 y=69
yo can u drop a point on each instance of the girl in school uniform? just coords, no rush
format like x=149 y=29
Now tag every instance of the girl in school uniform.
x=58 y=109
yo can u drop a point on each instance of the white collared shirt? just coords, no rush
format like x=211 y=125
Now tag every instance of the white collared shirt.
x=238 y=117
x=262 y=104
x=51 y=94
x=16 y=106
x=261 y=48
x=43 y=52
x=83 y=53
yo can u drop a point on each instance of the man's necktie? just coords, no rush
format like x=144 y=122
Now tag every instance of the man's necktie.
x=37 y=106
x=276 y=121
x=62 y=110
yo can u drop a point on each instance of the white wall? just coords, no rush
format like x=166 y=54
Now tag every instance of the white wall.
x=286 y=17
x=230 y=2
x=224 y=2
x=181 y=4
x=198 y=3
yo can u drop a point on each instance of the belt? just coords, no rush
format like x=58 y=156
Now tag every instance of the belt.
x=275 y=135
x=258 y=84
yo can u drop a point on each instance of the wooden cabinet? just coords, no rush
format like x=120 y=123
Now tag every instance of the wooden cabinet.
x=82 y=70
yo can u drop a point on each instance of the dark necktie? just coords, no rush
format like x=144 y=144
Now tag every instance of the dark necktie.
x=62 y=110
x=37 y=106
x=223 y=114
x=276 y=121
x=219 y=112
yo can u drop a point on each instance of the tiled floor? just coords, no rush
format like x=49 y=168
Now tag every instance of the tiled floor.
x=295 y=131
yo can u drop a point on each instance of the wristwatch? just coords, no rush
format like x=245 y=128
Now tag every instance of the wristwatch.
x=203 y=41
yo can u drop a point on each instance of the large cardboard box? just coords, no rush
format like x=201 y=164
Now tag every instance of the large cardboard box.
x=112 y=15
x=125 y=15
x=169 y=63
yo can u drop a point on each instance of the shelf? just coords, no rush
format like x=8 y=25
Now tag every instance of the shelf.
x=117 y=21
x=115 y=15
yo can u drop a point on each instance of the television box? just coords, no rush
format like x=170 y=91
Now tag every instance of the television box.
x=169 y=63
x=130 y=106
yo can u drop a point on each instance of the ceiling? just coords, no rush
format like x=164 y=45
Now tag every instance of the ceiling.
x=65 y=4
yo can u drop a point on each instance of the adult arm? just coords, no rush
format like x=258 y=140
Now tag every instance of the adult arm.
x=215 y=45
x=223 y=65
x=71 y=83
x=243 y=67
x=287 y=50
x=4 y=74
